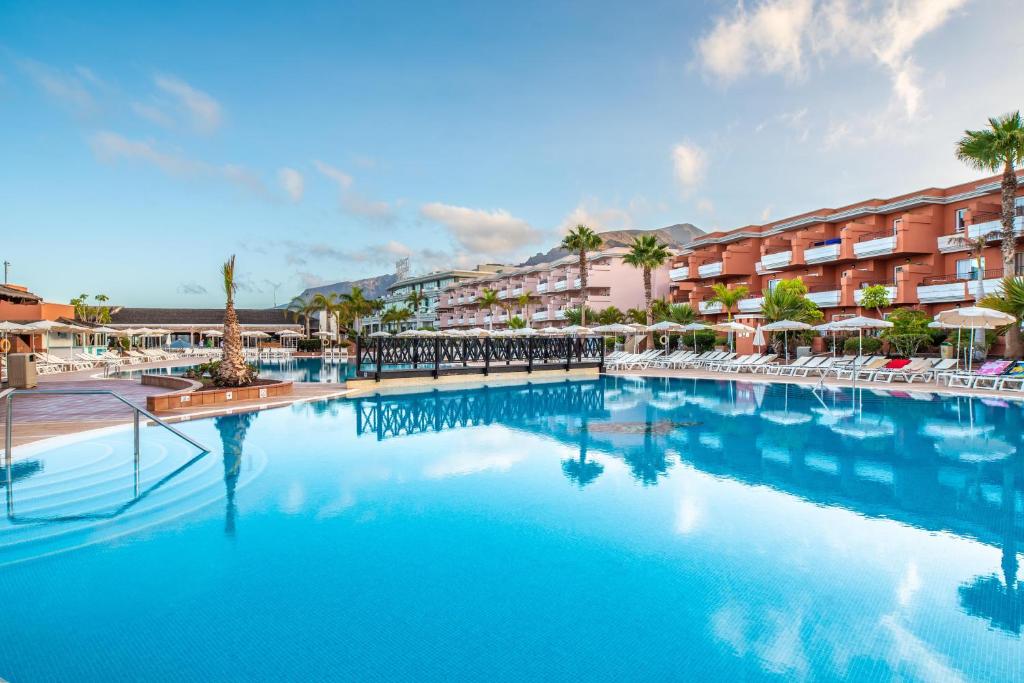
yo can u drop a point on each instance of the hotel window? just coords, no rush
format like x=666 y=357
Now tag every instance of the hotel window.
x=1018 y=263
x=967 y=268
x=772 y=284
x=1019 y=204
x=961 y=219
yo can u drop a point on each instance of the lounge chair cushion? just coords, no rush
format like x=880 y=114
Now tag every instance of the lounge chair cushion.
x=896 y=364
x=993 y=367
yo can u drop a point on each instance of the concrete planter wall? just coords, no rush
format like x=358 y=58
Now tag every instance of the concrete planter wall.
x=189 y=395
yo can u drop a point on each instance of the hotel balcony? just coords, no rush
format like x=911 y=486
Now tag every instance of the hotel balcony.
x=503 y=294
x=517 y=291
x=948 y=243
x=560 y=285
x=779 y=259
x=751 y=305
x=825 y=296
x=823 y=254
x=713 y=269
x=709 y=307
x=935 y=290
x=875 y=244
x=890 y=291
x=560 y=315
x=540 y=315
x=679 y=274
x=542 y=287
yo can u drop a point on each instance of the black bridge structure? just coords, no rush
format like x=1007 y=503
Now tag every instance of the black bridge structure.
x=388 y=417
x=397 y=357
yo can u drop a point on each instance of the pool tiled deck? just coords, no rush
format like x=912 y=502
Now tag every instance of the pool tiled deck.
x=41 y=417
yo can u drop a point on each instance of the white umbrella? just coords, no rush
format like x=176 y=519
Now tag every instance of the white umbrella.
x=550 y=330
x=975 y=317
x=524 y=332
x=695 y=327
x=785 y=326
x=478 y=332
x=212 y=333
x=759 y=337
x=379 y=333
x=289 y=333
x=666 y=326
x=323 y=333
x=6 y=326
x=408 y=333
x=574 y=329
x=614 y=328
x=859 y=323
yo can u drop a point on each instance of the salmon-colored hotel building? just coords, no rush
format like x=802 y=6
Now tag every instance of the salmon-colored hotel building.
x=907 y=243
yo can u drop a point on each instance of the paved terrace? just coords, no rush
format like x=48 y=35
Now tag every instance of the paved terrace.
x=42 y=417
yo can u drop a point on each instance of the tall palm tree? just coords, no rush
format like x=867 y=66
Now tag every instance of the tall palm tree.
x=359 y=305
x=729 y=297
x=681 y=313
x=525 y=300
x=395 y=316
x=233 y=371
x=416 y=299
x=300 y=307
x=343 y=316
x=647 y=253
x=325 y=303
x=487 y=300
x=582 y=239
x=976 y=246
x=1000 y=147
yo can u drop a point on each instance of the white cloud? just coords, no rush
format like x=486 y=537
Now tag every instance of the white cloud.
x=292 y=183
x=342 y=179
x=68 y=88
x=373 y=210
x=690 y=164
x=705 y=205
x=496 y=234
x=203 y=111
x=596 y=218
x=153 y=113
x=766 y=213
x=777 y=37
x=111 y=147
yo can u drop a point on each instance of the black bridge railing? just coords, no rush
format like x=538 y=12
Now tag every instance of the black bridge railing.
x=388 y=357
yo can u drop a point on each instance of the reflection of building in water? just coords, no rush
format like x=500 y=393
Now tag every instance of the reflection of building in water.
x=392 y=416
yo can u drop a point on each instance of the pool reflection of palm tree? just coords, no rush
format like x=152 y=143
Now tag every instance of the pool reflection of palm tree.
x=650 y=462
x=232 y=429
x=580 y=470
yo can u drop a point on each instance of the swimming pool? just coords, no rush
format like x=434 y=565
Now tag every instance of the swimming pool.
x=296 y=369
x=612 y=529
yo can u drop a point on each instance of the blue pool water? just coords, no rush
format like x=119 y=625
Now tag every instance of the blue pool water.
x=616 y=529
x=295 y=369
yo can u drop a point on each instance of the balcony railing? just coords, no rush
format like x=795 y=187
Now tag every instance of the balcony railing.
x=890 y=290
x=542 y=287
x=677 y=274
x=751 y=305
x=712 y=269
x=950 y=243
x=824 y=296
x=779 y=259
x=875 y=244
x=710 y=307
x=823 y=254
x=946 y=279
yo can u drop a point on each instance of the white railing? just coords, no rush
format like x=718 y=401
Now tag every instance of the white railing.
x=948 y=243
x=709 y=307
x=948 y=291
x=876 y=247
x=517 y=291
x=710 y=269
x=677 y=274
x=540 y=315
x=825 y=299
x=859 y=294
x=993 y=286
x=752 y=305
x=577 y=282
x=542 y=287
x=560 y=285
x=829 y=252
x=777 y=260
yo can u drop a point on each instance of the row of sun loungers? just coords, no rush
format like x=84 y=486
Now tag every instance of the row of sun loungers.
x=999 y=375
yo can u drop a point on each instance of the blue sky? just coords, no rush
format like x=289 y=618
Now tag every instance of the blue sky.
x=144 y=142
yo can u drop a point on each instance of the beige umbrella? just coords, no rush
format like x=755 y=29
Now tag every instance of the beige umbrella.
x=731 y=327
x=785 y=326
x=975 y=318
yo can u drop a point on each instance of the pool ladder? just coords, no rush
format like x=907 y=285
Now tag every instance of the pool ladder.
x=9 y=394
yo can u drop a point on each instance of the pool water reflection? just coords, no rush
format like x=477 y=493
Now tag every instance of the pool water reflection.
x=615 y=529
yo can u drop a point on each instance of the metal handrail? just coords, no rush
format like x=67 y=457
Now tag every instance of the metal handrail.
x=9 y=394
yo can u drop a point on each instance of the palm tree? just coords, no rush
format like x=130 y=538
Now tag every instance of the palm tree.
x=299 y=307
x=681 y=313
x=516 y=323
x=976 y=246
x=395 y=316
x=525 y=300
x=415 y=300
x=343 y=316
x=1010 y=301
x=610 y=316
x=582 y=239
x=233 y=371
x=359 y=305
x=1000 y=147
x=488 y=299
x=729 y=298
x=574 y=316
x=636 y=315
x=647 y=253
x=232 y=429
x=325 y=303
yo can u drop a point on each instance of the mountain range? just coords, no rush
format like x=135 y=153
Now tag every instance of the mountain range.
x=675 y=236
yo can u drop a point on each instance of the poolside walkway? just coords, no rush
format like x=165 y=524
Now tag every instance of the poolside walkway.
x=42 y=417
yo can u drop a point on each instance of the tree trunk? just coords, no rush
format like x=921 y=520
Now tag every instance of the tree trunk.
x=583 y=288
x=648 y=297
x=1014 y=346
x=232 y=369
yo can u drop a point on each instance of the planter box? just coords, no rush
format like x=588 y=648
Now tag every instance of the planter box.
x=192 y=396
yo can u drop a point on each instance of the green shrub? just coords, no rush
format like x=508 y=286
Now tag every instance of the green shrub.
x=906 y=345
x=314 y=345
x=705 y=340
x=871 y=345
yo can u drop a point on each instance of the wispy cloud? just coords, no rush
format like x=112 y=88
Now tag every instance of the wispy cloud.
x=191 y=288
x=352 y=202
x=292 y=183
x=203 y=111
x=690 y=164
x=70 y=88
x=336 y=175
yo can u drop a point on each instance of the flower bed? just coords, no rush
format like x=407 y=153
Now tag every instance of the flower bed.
x=192 y=396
